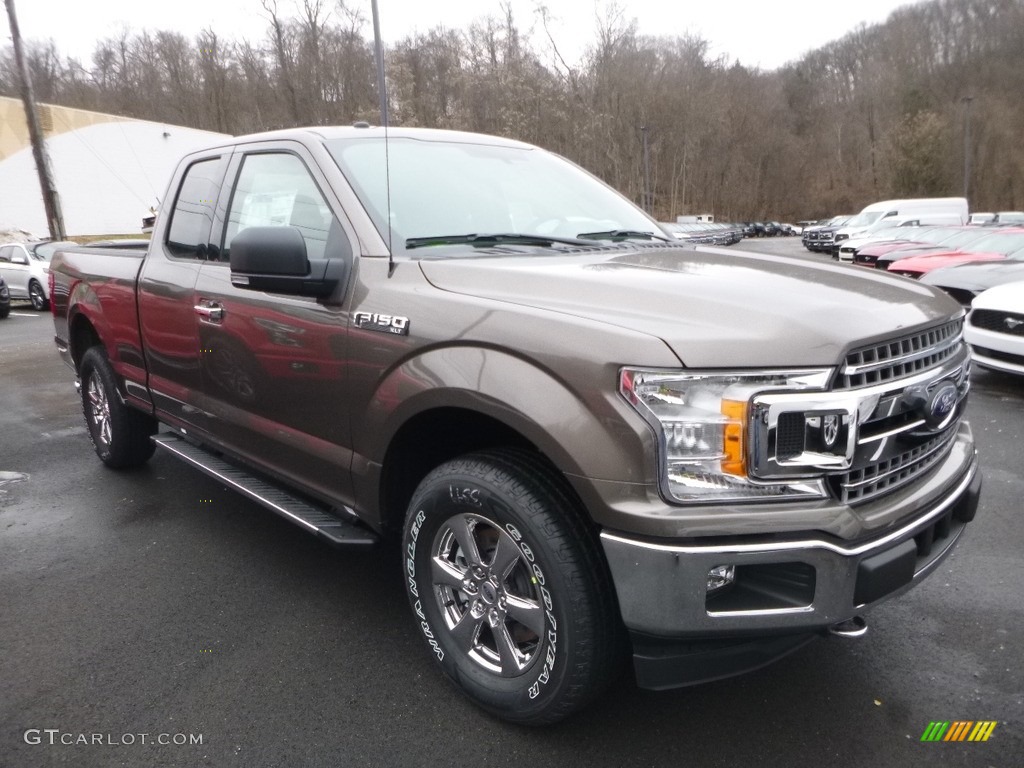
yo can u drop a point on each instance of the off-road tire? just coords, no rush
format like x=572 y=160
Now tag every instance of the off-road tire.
x=537 y=579
x=119 y=433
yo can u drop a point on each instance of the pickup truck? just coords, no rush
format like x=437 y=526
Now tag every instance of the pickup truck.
x=587 y=440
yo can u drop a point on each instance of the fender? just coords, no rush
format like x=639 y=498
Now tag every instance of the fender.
x=110 y=307
x=598 y=437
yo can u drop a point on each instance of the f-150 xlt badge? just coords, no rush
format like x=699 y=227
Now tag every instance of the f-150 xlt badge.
x=373 y=321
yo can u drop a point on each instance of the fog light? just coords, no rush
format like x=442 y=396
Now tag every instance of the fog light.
x=721 y=576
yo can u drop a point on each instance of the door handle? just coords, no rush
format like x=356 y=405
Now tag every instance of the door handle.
x=211 y=313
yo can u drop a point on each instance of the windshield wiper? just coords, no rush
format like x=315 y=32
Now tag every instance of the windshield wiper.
x=484 y=241
x=620 y=234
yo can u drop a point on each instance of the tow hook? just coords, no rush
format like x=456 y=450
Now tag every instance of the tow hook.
x=855 y=627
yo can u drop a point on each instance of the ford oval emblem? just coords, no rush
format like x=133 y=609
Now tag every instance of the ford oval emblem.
x=941 y=404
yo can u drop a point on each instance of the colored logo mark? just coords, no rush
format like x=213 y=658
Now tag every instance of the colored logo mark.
x=959 y=730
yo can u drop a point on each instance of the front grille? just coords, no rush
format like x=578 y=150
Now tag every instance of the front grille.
x=900 y=358
x=1000 y=322
x=867 y=482
x=995 y=354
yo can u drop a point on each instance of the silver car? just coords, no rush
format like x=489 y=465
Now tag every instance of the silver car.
x=26 y=267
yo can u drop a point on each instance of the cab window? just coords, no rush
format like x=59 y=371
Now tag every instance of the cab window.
x=277 y=190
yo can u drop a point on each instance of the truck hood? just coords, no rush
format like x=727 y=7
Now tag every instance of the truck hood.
x=713 y=307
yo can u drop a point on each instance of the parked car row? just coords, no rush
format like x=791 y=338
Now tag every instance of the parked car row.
x=768 y=229
x=704 y=233
x=980 y=263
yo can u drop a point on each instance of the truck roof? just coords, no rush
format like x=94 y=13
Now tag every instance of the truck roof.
x=322 y=133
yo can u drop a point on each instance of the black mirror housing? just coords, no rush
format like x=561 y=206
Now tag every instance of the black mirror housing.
x=274 y=259
x=269 y=251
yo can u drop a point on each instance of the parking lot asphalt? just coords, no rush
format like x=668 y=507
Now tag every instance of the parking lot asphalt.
x=155 y=605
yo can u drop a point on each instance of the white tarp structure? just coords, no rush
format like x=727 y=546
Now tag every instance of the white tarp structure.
x=109 y=171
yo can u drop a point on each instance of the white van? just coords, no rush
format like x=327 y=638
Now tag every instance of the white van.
x=953 y=210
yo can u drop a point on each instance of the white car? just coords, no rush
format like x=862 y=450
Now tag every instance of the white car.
x=995 y=328
x=26 y=267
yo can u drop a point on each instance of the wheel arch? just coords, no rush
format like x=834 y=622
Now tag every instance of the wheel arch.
x=460 y=400
x=82 y=335
x=428 y=440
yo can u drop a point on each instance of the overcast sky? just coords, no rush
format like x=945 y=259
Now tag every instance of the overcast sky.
x=756 y=32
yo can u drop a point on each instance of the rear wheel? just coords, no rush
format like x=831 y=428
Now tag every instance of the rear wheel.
x=119 y=433
x=37 y=296
x=509 y=587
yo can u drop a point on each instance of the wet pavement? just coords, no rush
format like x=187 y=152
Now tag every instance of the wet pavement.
x=154 y=609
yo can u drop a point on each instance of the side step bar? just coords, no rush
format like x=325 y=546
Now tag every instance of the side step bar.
x=331 y=527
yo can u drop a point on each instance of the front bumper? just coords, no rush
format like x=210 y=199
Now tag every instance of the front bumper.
x=998 y=351
x=786 y=590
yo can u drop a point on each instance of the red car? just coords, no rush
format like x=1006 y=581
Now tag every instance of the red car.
x=1006 y=243
x=881 y=255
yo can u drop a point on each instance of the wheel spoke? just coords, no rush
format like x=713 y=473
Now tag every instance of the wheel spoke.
x=446 y=573
x=506 y=555
x=466 y=631
x=467 y=542
x=511 y=660
x=100 y=410
x=527 y=612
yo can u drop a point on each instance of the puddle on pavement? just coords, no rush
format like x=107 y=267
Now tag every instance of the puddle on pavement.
x=7 y=478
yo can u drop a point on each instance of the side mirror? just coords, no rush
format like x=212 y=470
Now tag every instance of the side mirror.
x=274 y=259
x=269 y=251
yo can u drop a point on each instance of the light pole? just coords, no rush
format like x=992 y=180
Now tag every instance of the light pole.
x=967 y=143
x=648 y=197
x=379 y=53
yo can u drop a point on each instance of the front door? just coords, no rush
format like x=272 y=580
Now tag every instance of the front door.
x=273 y=366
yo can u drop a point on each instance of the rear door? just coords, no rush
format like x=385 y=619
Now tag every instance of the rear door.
x=166 y=291
x=273 y=366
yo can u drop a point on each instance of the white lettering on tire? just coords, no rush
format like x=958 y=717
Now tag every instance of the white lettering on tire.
x=410 y=568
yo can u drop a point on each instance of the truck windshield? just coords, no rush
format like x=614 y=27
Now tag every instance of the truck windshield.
x=441 y=191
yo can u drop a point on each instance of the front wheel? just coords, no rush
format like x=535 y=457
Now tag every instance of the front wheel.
x=37 y=297
x=509 y=588
x=119 y=433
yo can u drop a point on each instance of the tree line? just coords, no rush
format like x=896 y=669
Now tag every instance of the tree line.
x=881 y=112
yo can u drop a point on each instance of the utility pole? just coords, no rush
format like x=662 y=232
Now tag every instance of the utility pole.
x=51 y=202
x=967 y=143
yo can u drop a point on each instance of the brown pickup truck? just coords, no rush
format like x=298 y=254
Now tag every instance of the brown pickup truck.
x=589 y=440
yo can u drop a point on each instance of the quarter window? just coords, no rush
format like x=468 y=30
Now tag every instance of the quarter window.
x=193 y=210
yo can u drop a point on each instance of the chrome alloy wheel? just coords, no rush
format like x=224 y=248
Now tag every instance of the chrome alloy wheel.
x=488 y=595
x=99 y=410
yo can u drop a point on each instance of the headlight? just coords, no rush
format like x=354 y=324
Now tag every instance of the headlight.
x=701 y=419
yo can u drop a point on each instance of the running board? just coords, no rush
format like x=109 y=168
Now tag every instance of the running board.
x=331 y=527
